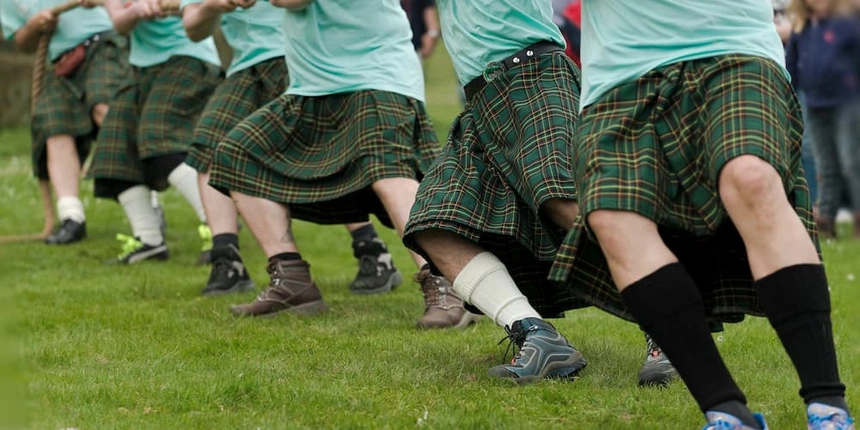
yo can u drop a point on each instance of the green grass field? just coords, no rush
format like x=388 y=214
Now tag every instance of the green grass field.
x=92 y=346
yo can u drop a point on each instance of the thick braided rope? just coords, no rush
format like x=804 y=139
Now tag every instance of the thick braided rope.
x=42 y=53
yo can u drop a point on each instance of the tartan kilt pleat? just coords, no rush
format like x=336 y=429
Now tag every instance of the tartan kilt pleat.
x=154 y=114
x=320 y=155
x=507 y=154
x=66 y=103
x=656 y=146
x=236 y=98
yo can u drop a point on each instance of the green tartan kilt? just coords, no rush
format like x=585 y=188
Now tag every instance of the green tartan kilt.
x=153 y=115
x=320 y=155
x=509 y=152
x=656 y=146
x=66 y=103
x=240 y=95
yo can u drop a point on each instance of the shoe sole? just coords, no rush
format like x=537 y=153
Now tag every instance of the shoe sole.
x=567 y=369
x=55 y=242
x=393 y=281
x=239 y=287
x=159 y=254
x=657 y=379
x=304 y=309
x=466 y=320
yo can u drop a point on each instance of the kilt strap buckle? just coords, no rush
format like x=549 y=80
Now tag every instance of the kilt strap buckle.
x=496 y=68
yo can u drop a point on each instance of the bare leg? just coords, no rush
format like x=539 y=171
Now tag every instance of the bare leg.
x=291 y=288
x=269 y=222
x=791 y=285
x=99 y=112
x=398 y=195
x=220 y=209
x=64 y=166
x=562 y=212
x=631 y=244
x=450 y=253
x=754 y=197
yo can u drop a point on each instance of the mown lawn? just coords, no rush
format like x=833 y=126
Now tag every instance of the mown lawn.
x=92 y=346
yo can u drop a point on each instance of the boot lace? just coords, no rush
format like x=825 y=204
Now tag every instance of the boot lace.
x=516 y=338
x=652 y=347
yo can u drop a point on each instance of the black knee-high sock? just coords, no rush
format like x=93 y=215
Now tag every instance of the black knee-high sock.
x=669 y=307
x=797 y=304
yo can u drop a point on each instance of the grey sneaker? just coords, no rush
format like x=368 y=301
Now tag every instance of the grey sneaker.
x=823 y=417
x=657 y=370
x=723 y=421
x=376 y=271
x=542 y=353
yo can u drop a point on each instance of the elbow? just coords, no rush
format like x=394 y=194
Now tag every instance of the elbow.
x=24 y=45
x=123 y=28
x=194 y=32
x=196 y=36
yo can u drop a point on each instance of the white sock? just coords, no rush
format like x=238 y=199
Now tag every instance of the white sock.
x=71 y=208
x=145 y=224
x=184 y=178
x=486 y=283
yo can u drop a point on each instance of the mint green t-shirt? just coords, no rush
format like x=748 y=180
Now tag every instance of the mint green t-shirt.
x=254 y=34
x=478 y=32
x=624 y=39
x=155 y=41
x=336 y=46
x=74 y=27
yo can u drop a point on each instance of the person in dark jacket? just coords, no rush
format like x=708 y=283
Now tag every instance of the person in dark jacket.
x=823 y=57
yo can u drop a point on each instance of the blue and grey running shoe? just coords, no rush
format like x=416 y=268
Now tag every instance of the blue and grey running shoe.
x=543 y=353
x=823 y=417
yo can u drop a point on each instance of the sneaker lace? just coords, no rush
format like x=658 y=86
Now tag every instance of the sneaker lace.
x=515 y=339
x=652 y=347
x=206 y=236
x=129 y=245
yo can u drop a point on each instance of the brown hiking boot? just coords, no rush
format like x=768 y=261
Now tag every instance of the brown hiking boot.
x=290 y=290
x=442 y=308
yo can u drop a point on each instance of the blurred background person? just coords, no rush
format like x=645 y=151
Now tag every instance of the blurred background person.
x=823 y=57
x=424 y=20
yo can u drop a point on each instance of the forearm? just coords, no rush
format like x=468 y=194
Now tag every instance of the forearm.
x=199 y=21
x=124 y=18
x=431 y=20
x=290 y=4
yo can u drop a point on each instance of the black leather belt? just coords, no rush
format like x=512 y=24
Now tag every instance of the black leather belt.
x=517 y=59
